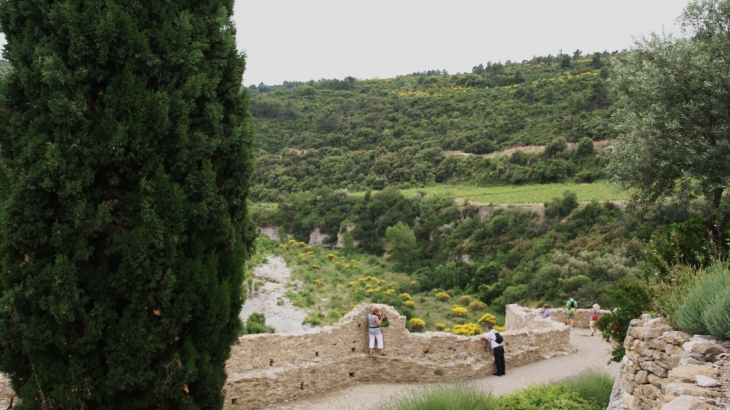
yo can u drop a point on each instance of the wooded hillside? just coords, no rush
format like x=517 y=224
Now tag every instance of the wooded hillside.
x=368 y=134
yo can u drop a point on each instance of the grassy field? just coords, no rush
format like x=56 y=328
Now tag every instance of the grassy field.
x=522 y=194
x=331 y=284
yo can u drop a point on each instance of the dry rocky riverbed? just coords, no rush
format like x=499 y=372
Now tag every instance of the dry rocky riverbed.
x=270 y=300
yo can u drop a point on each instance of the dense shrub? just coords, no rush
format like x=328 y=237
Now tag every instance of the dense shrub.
x=592 y=385
x=443 y=397
x=487 y=318
x=550 y=397
x=459 y=311
x=631 y=298
x=417 y=325
x=703 y=308
x=467 y=329
x=477 y=305
x=465 y=300
x=443 y=296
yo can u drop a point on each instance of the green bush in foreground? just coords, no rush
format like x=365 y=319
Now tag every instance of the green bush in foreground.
x=592 y=385
x=589 y=390
x=444 y=397
x=704 y=307
x=549 y=397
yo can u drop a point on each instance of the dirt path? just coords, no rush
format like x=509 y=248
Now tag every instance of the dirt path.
x=593 y=352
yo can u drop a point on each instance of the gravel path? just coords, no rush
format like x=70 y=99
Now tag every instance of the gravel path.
x=593 y=352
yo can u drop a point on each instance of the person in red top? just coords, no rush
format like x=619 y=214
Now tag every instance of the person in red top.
x=593 y=316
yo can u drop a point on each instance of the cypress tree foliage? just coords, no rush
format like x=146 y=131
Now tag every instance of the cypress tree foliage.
x=125 y=140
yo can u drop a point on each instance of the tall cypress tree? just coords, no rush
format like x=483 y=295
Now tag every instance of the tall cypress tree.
x=126 y=143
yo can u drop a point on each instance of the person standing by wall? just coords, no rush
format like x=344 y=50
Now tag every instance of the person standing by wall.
x=374 y=331
x=570 y=307
x=545 y=312
x=495 y=342
x=593 y=316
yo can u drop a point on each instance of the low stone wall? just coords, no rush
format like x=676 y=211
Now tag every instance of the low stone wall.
x=581 y=316
x=666 y=369
x=269 y=368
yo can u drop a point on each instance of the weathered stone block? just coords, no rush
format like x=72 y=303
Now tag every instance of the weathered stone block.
x=686 y=374
x=654 y=368
x=685 y=403
x=644 y=333
x=649 y=391
x=672 y=349
x=678 y=337
x=705 y=348
x=681 y=389
x=660 y=382
x=675 y=358
x=641 y=377
x=704 y=381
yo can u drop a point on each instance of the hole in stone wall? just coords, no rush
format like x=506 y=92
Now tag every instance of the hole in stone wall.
x=301 y=386
x=316 y=354
x=425 y=351
x=352 y=374
x=359 y=324
x=234 y=401
x=353 y=350
x=271 y=362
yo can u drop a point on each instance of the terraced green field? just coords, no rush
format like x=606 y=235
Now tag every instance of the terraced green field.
x=522 y=194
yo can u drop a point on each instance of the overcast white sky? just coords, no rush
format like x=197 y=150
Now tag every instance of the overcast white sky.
x=299 y=40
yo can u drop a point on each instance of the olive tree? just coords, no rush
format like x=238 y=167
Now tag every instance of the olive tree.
x=673 y=111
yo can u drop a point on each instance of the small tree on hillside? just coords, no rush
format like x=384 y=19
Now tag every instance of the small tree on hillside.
x=126 y=145
x=402 y=243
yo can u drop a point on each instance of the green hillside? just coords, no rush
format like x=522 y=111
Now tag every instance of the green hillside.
x=368 y=134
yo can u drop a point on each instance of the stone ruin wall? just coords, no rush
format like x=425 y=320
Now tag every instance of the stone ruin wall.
x=665 y=369
x=268 y=368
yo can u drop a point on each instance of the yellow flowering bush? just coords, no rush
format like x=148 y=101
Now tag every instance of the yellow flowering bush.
x=409 y=303
x=331 y=257
x=440 y=326
x=417 y=324
x=458 y=311
x=405 y=296
x=468 y=329
x=373 y=290
x=346 y=266
x=443 y=296
x=315 y=266
x=389 y=292
x=487 y=318
x=319 y=282
x=477 y=305
x=465 y=300
x=353 y=283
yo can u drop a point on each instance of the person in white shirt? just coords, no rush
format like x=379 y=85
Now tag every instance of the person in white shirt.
x=491 y=336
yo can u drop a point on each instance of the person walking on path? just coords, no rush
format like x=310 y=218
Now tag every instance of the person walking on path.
x=545 y=312
x=374 y=331
x=497 y=348
x=570 y=307
x=593 y=316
